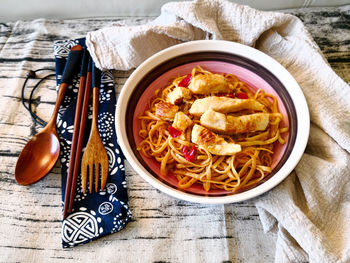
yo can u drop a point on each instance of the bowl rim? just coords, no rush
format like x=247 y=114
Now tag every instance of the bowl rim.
x=290 y=84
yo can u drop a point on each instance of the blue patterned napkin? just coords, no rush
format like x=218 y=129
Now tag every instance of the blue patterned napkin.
x=97 y=214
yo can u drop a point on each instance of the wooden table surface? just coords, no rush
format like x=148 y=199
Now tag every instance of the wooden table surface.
x=163 y=229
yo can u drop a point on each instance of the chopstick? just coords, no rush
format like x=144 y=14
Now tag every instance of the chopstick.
x=77 y=132
x=81 y=133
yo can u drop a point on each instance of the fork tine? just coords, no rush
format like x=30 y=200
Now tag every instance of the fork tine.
x=97 y=175
x=91 y=177
x=84 y=175
x=104 y=173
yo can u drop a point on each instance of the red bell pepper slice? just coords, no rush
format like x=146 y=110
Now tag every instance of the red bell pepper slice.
x=174 y=132
x=189 y=154
x=186 y=81
x=242 y=95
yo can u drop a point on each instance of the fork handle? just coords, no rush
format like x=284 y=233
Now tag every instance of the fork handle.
x=96 y=76
x=96 y=80
x=95 y=103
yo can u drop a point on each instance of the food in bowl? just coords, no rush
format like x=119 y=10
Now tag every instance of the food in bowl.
x=256 y=69
x=212 y=129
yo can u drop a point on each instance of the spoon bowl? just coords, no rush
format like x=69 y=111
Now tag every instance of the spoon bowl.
x=37 y=157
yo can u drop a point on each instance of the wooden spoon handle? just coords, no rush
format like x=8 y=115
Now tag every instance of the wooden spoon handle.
x=61 y=93
x=74 y=57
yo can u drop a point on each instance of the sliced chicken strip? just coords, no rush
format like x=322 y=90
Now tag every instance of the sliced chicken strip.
x=181 y=121
x=223 y=105
x=166 y=110
x=230 y=125
x=209 y=84
x=212 y=142
x=178 y=95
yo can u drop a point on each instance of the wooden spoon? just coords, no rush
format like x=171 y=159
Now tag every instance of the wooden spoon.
x=41 y=153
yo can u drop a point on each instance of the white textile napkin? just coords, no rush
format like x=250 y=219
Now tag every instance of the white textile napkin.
x=310 y=210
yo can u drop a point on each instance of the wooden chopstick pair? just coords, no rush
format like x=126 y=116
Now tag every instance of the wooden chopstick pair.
x=78 y=132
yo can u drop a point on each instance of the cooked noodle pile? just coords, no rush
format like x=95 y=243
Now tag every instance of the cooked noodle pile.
x=211 y=129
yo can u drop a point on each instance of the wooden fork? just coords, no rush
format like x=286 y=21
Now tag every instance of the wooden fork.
x=95 y=157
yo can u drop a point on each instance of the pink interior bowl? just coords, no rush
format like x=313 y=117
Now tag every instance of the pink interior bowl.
x=253 y=80
x=253 y=67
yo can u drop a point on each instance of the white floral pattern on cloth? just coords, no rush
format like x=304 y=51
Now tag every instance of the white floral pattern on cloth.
x=97 y=214
x=105 y=119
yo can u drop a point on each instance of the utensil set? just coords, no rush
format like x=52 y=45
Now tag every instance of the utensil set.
x=41 y=152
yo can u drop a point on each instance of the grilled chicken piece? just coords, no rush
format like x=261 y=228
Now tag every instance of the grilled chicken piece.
x=178 y=95
x=223 y=105
x=202 y=136
x=166 y=110
x=208 y=84
x=181 y=121
x=212 y=142
x=223 y=124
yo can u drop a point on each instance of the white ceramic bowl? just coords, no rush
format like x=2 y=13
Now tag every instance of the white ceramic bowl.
x=251 y=65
